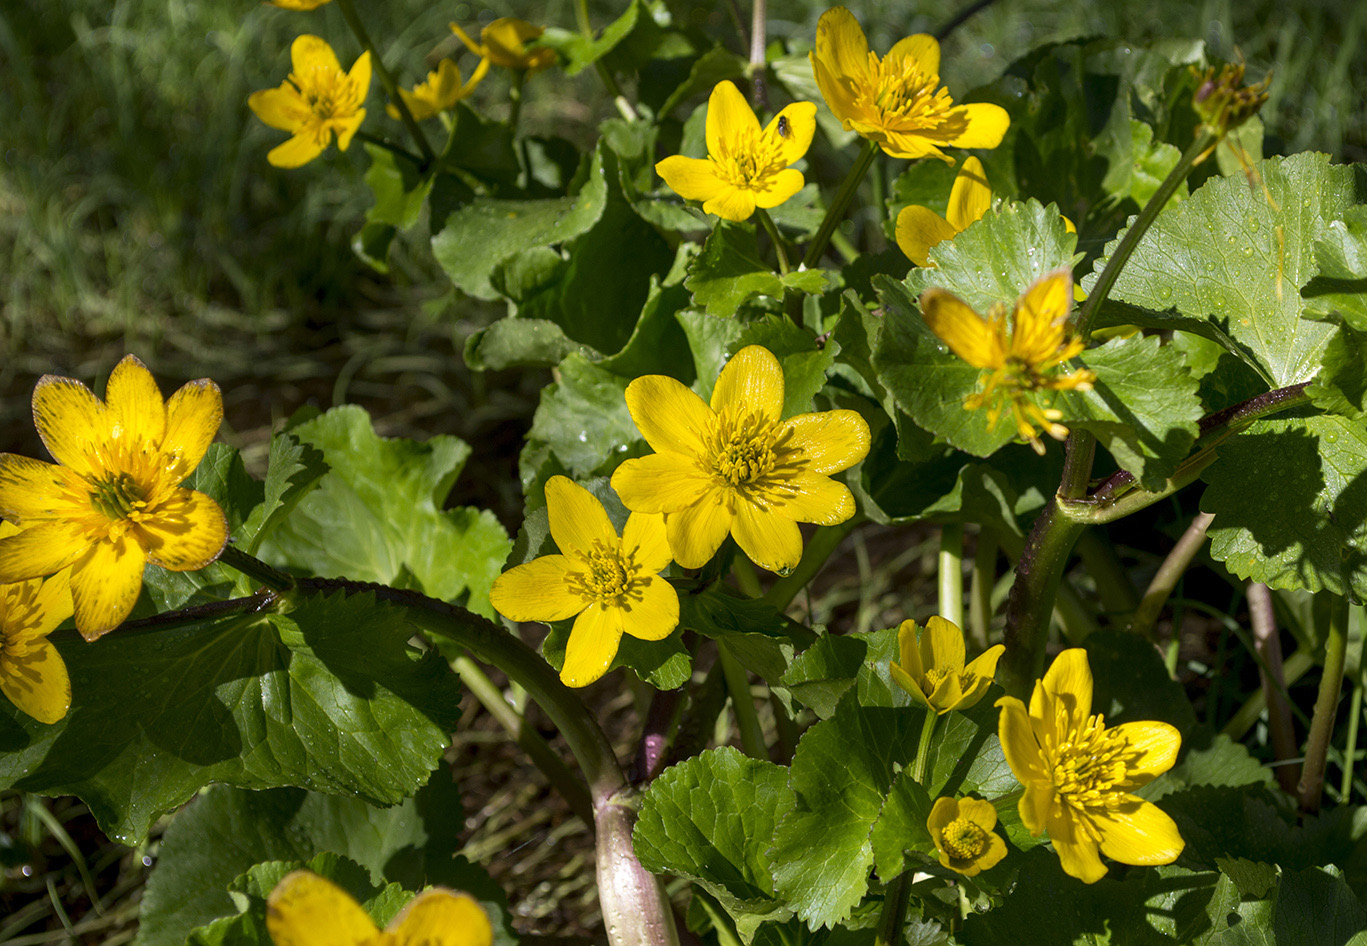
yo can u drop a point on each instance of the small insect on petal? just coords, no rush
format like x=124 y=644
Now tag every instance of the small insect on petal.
x=784 y=129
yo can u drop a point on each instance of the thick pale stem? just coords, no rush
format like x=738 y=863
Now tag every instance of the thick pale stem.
x=1268 y=646
x=1350 y=750
x=836 y=212
x=758 y=37
x=980 y=589
x=951 y=585
x=1326 y=707
x=1165 y=579
x=636 y=910
x=391 y=88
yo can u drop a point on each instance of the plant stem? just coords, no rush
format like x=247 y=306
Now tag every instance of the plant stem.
x=823 y=542
x=388 y=145
x=836 y=212
x=515 y=99
x=661 y=722
x=780 y=247
x=1136 y=231
x=742 y=704
x=746 y=579
x=1165 y=579
x=1295 y=667
x=272 y=578
x=636 y=910
x=1268 y=646
x=1108 y=573
x=980 y=588
x=1350 y=750
x=567 y=783
x=758 y=40
x=894 y=915
x=391 y=89
x=1326 y=706
x=951 y=585
x=918 y=767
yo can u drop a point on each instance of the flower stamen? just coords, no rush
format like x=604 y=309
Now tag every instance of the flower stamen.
x=118 y=496
x=963 y=839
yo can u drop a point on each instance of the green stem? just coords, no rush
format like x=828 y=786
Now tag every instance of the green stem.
x=918 y=767
x=759 y=30
x=515 y=99
x=1326 y=707
x=951 y=585
x=624 y=108
x=567 y=783
x=819 y=548
x=388 y=145
x=1350 y=751
x=742 y=704
x=1165 y=579
x=836 y=211
x=391 y=89
x=272 y=578
x=980 y=589
x=1136 y=231
x=1108 y=573
x=746 y=579
x=1295 y=667
x=780 y=247
x=894 y=915
x=1267 y=647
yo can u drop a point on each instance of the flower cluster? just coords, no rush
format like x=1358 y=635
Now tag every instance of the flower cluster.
x=932 y=671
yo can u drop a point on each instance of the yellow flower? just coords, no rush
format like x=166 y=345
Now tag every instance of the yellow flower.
x=1078 y=774
x=440 y=92
x=920 y=228
x=735 y=467
x=745 y=167
x=896 y=102
x=612 y=584
x=314 y=102
x=504 y=43
x=932 y=670
x=114 y=502
x=1020 y=360
x=32 y=673
x=301 y=5
x=305 y=909
x=962 y=829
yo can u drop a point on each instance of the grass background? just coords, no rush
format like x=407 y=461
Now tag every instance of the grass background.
x=138 y=214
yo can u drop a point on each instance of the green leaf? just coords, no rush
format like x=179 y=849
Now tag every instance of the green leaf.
x=821 y=674
x=1341 y=385
x=716 y=65
x=378 y=516
x=1131 y=683
x=328 y=696
x=400 y=193
x=580 y=51
x=583 y=419
x=901 y=828
x=485 y=149
x=1238 y=257
x=658 y=340
x=1315 y=906
x=729 y=272
x=760 y=636
x=711 y=819
x=293 y=470
x=1143 y=406
x=1341 y=286
x=520 y=343
x=1207 y=760
x=664 y=664
x=1315 y=535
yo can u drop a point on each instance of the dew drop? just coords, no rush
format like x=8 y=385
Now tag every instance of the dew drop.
x=1165 y=293
x=1252 y=223
x=583 y=436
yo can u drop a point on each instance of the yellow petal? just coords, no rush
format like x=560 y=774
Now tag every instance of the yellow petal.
x=769 y=540
x=947 y=694
x=1155 y=746
x=1069 y=682
x=185 y=531
x=732 y=203
x=980 y=812
x=690 y=178
x=969 y=335
x=751 y=381
x=469 y=42
x=51 y=605
x=970 y=196
x=1138 y=832
x=922 y=49
x=1019 y=746
x=840 y=60
x=909 y=651
x=654 y=615
x=594 y=639
x=918 y=229
x=37 y=682
x=299 y=150
x=440 y=917
x=799 y=121
x=840 y=92
x=137 y=410
x=536 y=591
x=661 y=482
x=996 y=850
x=71 y=421
x=1041 y=316
x=729 y=118
x=669 y=416
x=942 y=813
x=1035 y=806
x=645 y=542
x=942 y=646
x=309 y=52
x=359 y=80
x=815 y=498
x=697 y=531
x=912 y=687
x=307 y=910
x=1077 y=852
x=985 y=665
x=778 y=187
x=979 y=125
x=348 y=127
x=34 y=490
x=504 y=42
x=830 y=441
x=42 y=549
x=193 y=416
x=578 y=520
x=908 y=145
x=284 y=107
x=105 y=583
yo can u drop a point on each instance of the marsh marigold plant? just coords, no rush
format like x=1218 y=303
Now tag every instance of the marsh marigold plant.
x=305 y=909
x=1079 y=774
x=931 y=668
x=612 y=584
x=32 y=673
x=745 y=167
x=897 y=101
x=504 y=43
x=963 y=830
x=317 y=101
x=440 y=92
x=1021 y=358
x=113 y=501
x=735 y=466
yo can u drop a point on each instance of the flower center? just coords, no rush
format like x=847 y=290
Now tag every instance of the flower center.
x=747 y=449
x=118 y=496
x=1089 y=766
x=964 y=840
x=936 y=674
x=608 y=576
x=746 y=160
x=326 y=93
x=905 y=93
